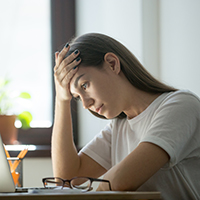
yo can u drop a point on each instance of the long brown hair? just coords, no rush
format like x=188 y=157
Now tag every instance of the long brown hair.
x=93 y=47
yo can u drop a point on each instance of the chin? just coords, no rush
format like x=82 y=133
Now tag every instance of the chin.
x=110 y=116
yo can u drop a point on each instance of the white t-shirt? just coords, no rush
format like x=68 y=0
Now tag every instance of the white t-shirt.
x=172 y=121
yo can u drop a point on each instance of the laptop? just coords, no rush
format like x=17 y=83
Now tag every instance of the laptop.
x=6 y=180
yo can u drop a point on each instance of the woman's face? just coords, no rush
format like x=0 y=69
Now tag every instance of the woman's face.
x=97 y=88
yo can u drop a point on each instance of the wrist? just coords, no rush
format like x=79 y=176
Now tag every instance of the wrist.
x=62 y=100
x=62 y=103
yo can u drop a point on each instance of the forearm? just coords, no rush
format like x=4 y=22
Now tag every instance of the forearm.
x=64 y=154
x=136 y=168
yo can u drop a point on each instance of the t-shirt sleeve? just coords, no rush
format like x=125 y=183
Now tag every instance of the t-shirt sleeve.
x=99 y=149
x=175 y=127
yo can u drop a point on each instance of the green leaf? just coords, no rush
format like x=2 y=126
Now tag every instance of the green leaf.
x=25 y=118
x=4 y=82
x=25 y=95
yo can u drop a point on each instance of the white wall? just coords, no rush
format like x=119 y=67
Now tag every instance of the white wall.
x=120 y=19
x=180 y=43
x=150 y=36
x=34 y=169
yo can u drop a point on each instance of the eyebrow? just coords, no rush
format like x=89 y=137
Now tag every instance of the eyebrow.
x=77 y=79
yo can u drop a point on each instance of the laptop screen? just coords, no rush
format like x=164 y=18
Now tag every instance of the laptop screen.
x=6 y=180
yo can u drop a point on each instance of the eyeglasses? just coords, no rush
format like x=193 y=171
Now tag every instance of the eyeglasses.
x=80 y=183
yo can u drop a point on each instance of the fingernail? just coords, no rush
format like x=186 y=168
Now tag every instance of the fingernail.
x=66 y=45
x=75 y=67
x=76 y=52
x=78 y=59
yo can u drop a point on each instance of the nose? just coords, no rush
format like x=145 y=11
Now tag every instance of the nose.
x=87 y=102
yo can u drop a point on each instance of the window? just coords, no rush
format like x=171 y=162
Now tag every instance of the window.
x=25 y=54
x=31 y=31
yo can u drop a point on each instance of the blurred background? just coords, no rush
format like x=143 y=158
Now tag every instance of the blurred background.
x=162 y=34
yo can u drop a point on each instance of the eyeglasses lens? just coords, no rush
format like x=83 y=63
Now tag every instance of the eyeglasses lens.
x=81 y=183
x=53 y=183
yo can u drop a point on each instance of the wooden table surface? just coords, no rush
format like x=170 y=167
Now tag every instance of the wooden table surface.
x=84 y=196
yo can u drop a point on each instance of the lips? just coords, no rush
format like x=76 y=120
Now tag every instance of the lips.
x=98 y=110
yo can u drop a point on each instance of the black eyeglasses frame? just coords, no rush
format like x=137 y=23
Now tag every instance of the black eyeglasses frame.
x=64 y=181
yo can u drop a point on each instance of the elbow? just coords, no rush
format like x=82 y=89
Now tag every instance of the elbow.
x=121 y=184
x=122 y=187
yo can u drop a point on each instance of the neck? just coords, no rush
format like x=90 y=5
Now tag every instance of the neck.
x=134 y=101
x=137 y=102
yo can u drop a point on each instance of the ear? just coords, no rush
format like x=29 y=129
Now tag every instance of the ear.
x=113 y=62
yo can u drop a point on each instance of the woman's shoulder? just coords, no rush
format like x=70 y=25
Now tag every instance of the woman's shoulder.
x=181 y=96
x=183 y=101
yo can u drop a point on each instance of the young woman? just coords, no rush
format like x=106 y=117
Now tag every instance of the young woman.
x=153 y=141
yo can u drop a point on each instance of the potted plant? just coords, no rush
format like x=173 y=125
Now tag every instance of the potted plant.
x=8 y=102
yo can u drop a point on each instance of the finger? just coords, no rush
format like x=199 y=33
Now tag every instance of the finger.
x=65 y=82
x=61 y=64
x=67 y=78
x=56 y=55
x=71 y=57
x=61 y=74
x=70 y=62
x=62 y=54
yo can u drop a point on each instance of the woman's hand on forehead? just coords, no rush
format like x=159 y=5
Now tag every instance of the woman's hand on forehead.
x=64 y=70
